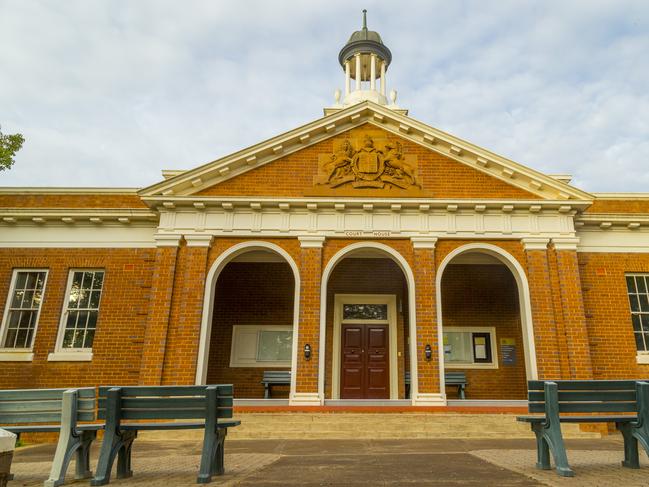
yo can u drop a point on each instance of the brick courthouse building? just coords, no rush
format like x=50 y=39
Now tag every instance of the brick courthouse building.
x=356 y=250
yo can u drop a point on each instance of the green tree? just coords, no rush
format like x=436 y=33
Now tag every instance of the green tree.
x=9 y=145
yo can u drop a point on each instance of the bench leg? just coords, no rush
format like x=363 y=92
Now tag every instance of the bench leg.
x=631 y=458
x=266 y=391
x=212 y=459
x=115 y=444
x=552 y=435
x=218 y=463
x=542 y=449
x=460 y=390
x=83 y=455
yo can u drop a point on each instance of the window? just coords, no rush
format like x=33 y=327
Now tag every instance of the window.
x=365 y=311
x=261 y=346
x=79 y=320
x=470 y=347
x=23 y=308
x=638 y=290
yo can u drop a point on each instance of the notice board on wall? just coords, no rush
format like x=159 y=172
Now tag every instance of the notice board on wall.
x=508 y=350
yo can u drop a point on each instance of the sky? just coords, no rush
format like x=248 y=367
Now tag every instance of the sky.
x=109 y=93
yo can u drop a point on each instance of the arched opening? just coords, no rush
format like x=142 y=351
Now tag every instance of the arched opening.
x=367 y=316
x=250 y=319
x=485 y=324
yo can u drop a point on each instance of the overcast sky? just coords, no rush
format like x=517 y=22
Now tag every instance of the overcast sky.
x=108 y=93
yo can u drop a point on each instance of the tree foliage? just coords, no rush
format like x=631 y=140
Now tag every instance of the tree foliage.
x=9 y=145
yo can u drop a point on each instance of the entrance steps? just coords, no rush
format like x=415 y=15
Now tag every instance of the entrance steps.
x=388 y=425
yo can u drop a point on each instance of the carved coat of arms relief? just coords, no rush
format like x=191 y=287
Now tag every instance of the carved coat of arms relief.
x=367 y=162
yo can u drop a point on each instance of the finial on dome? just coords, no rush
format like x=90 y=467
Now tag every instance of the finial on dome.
x=364 y=19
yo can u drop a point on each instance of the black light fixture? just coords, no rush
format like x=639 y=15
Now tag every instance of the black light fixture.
x=307 y=351
x=429 y=352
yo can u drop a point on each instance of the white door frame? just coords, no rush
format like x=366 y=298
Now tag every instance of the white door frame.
x=391 y=301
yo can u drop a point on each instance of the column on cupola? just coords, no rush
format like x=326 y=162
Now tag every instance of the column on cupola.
x=383 y=81
x=162 y=284
x=348 y=80
x=429 y=370
x=372 y=71
x=307 y=387
x=358 y=71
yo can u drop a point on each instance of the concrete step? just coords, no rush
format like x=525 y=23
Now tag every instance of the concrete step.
x=341 y=425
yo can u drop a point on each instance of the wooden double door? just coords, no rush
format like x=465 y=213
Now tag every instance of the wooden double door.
x=365 y=367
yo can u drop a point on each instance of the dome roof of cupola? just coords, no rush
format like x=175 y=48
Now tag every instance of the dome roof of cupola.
x=366 y=42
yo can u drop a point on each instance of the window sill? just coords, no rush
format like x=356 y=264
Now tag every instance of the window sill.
x=11 y=356
x=642 y=358
x=470 y=366
x=70 y=357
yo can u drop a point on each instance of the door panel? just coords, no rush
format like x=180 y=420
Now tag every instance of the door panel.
x=365 y=372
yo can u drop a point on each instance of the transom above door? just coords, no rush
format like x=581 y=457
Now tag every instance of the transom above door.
x=365 y=347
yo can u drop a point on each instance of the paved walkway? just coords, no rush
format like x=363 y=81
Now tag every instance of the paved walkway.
x=507 y=463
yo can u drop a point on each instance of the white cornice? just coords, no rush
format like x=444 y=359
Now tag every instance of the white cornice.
x=195 y=180
x=58 y=191
x=77 y=216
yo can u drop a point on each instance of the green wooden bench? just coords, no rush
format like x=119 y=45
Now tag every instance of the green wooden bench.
x=54 y=410
x=450 y=379
x=204 y=404
x=624 y=402
x=275 y=377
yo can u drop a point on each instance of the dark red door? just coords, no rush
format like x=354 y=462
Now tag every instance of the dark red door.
x=365 y=372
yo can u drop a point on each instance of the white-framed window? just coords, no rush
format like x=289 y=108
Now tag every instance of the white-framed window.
x=638 y=291
x=261 y=346
x=80 y=310
x=23 y=309
x=470 y=348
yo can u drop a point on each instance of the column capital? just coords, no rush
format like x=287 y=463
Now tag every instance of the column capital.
x=311 y=241
x=198 y=240
x=565 y=243
x=423 y=242
x=167 y=240
x=535 y=243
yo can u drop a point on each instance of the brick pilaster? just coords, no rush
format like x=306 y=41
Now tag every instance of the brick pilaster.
x=162 y=285
x=426 y=315
x=184 y=336
x=306 y=386
x=572 y=306
x=550 y=345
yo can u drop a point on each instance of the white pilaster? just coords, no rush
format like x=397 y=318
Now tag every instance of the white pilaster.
x=358 y=71
x=348 y=80
x=373 y=72
x=383 y=78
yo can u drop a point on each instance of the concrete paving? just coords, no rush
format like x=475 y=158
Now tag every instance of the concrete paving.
x=464 y=462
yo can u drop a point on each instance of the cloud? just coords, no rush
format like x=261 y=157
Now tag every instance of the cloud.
x=110 y=92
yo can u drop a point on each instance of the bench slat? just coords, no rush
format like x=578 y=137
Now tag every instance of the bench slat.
x=589 y=385
x=170 y=414
x=580 y=419
x=539 y=396
x=586 y=407
x=157 y=391
x=44 y=394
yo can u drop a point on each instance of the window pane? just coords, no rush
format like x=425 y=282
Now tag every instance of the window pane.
x=72 y=319
x=633 y=299
x=31 y=280
x=11 y=338
x=21 y=279
x=78 y=338
x=84 y=296
x=639 y=343
x=644 y=302
x=640 y=284
x=94 y=299
x=365 y=312
x=17 y=298
x=644 y=319
x=87 y=280
x=636 y=320
x=67 y=338
x=274 y=345
x=27 y=299
x=457 y=347
x=98 y=280
x=90 y=335
x=92 y=319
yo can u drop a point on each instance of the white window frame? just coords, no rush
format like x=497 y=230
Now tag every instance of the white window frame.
x=473 y=329
x=642 y=356
x=62 y=354
x=20 y=354
x=235 y=361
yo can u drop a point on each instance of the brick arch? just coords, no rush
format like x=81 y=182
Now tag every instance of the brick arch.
x=520 y=276
x=208 y=300
x=403 y=263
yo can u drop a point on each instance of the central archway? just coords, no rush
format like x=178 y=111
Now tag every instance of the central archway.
x=385 y=251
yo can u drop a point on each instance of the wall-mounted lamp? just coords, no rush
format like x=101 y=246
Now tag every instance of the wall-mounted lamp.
x=429 y=352
x=307 y=351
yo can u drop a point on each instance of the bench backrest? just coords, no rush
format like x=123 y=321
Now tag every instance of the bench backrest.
x=451 y=378
x=276 y=375
x=27 y=406
x=454 y=377
x=585 y=396
x=165 y=402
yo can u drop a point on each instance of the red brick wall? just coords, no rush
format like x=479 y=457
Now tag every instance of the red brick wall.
x=486 y=295
x=368 y=276
x=248 y=293
x=608 y=315
x=120 y=328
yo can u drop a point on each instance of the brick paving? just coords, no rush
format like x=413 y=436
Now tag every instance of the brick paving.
x=506 y=463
